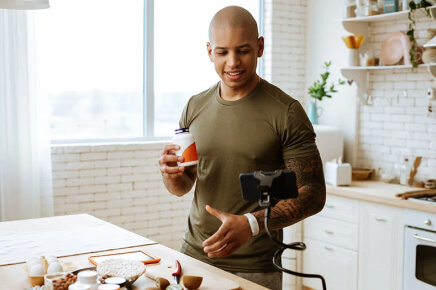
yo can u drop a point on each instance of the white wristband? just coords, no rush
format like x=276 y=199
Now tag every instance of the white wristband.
x=253 y=224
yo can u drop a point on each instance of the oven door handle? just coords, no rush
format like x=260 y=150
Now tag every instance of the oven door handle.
x=416 y=236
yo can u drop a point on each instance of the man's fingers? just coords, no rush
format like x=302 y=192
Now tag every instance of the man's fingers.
x=216 y=246
x=171 y=170
x=170 y=159
x=216 y=237
x=225 y=251
x=169 y=148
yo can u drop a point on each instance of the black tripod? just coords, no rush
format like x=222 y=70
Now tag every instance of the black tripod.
x=265 y=187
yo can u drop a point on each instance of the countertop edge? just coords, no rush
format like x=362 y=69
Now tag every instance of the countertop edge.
x=369 y=191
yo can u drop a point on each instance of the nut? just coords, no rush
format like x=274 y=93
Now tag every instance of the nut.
x=162 y=283
x=192 y=282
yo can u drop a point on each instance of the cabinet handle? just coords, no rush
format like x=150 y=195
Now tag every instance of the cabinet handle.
x=416 y=236
x=329 y=232
x=328 y=248
x=380 y=219
x=427 y=222
x=330 y=206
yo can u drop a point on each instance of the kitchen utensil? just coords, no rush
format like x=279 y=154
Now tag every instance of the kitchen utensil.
x=416 y=193
x=394 y=47
x=177 y=273
x=414 y=170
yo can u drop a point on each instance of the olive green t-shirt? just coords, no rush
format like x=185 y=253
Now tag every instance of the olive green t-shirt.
x=254 y=133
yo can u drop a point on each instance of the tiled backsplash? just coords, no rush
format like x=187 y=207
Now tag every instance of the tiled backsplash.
x=400 y=126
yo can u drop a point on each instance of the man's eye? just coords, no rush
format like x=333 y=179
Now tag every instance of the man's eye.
x=243 y=51
x=221 y=53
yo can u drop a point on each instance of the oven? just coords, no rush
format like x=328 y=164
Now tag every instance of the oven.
x=419 y=250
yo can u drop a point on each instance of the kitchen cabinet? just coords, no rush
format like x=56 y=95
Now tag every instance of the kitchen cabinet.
x=380 y=247
x=360 y=25
x=331 y=238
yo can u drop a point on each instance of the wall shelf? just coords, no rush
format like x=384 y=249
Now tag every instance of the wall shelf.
x=387 y=67
x=387 y=16
x=360 y=25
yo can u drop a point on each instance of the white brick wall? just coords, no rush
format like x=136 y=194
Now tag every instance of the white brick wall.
x=400 y=125
x=122 y=185
x=285 y=39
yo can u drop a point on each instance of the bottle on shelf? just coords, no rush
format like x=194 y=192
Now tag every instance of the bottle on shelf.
x=404 y=171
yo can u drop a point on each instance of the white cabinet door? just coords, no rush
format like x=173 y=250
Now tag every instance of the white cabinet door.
x=338 y=266
x=381 y=247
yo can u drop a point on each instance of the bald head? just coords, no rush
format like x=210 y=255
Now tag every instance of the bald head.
x=234 y=17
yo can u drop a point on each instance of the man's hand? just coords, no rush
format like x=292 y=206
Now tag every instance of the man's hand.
x=168 y=162
x=177 y=179
x=232 y=234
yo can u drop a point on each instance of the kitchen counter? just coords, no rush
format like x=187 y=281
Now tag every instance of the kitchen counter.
x=76 y=237
x=380 y=192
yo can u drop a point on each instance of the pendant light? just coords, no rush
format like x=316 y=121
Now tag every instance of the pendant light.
x=24 y=4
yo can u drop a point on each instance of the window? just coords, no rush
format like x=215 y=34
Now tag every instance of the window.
x=92 y=63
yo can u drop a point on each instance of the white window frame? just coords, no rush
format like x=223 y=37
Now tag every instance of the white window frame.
x=148 y=84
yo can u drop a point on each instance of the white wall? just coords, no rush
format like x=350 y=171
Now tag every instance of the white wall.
x=324 y=31
x=375 y=136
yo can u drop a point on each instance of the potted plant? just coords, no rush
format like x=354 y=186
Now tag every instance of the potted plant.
x=413 y=6
x=320 y=90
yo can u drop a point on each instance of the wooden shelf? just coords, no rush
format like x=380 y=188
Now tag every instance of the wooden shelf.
x=386 y=16
x=383 y=67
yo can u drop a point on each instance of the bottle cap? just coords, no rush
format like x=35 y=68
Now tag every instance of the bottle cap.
x=79 y=286
x=108 y=287
x=181 y=130
x=116 y=280
x=87 y=277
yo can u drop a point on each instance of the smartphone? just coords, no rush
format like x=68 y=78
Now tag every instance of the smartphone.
x=284 y=186
x=140 y=256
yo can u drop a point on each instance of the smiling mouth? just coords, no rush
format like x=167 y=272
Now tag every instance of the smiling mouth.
x=235 y=73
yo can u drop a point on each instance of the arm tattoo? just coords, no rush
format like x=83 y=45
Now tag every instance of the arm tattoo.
x=310 y=200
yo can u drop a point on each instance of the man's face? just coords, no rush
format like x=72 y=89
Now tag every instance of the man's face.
x=234 y=52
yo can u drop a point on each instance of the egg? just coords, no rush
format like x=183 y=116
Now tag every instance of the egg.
x=37 y=270
x=51 y=260
x=34 y=258
x=33 y=263
x=54 y=267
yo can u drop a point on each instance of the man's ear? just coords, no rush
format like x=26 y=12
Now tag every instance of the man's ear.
x=260 y=46
x=209 y=51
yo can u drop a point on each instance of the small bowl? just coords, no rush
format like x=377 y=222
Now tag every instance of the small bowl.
x=361 y=173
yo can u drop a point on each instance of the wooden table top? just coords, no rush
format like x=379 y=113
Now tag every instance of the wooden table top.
x=14 y=276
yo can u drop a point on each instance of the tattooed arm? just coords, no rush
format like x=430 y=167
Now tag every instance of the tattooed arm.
x=311 y=195
x=235 y=230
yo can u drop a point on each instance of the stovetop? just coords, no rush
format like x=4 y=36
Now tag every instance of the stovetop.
x=424 y=199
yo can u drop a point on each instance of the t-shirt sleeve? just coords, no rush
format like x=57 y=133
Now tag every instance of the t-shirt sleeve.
x=183 y=122
x=298 y=139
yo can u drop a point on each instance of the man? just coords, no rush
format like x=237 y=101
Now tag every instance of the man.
x=242 y=124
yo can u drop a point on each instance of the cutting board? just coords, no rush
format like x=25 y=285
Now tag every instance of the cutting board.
x=210 y=280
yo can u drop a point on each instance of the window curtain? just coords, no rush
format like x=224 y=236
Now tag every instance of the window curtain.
x=25 y=157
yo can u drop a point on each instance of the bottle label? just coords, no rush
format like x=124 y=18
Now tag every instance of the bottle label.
x=187 y=148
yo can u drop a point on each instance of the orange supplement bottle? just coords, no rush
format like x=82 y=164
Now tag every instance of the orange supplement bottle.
x=187 y=147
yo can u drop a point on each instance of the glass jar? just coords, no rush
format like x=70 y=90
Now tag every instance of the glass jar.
x=405 y=172
x=371 y=7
